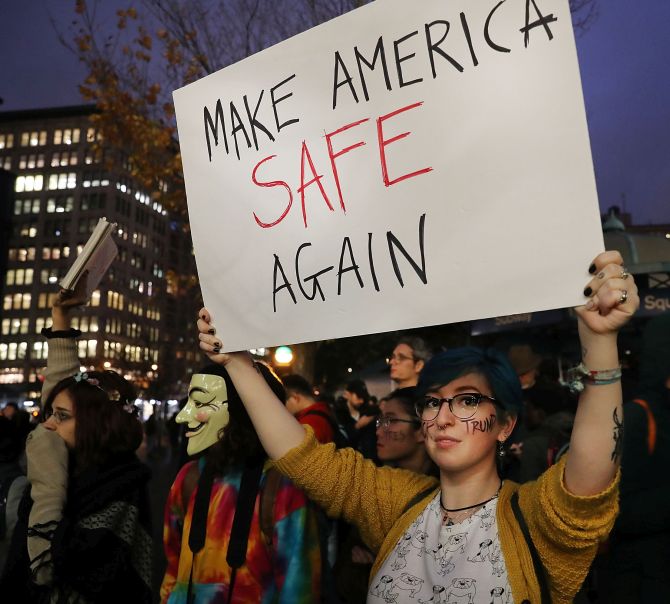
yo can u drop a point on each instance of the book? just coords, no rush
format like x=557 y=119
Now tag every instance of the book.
x=94 y=259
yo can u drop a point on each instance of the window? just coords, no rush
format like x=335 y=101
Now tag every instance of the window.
x=28 y=229
x=87 y=348
x=35 y=138
x=40 y=350
x=55 y=253
x=96 y=178
x=6 y=162
x=49 y=276
x=46 y=300
x=17 y=302
x=92 y=156
x=92 y=135
x=56 y=228
x=14 y=326
x=29 y=182
x=6 y=141
x=64 y=180
x=93 y=201
x=20 y=276
x=26 y=206
x=67 y=136
x=87 y=225
x=29 y=162
x=95 y=298
x=22 y=254
x=41 y=323
x=64 y=158
x=60 y=204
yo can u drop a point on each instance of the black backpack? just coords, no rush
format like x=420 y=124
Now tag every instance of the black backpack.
x=340 y=437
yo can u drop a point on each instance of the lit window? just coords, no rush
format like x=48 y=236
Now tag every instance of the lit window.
x=6 y=141
x=95 y=298
x=29 y=182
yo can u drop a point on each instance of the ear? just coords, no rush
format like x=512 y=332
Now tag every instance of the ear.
x=418 y=366
x=507 y=427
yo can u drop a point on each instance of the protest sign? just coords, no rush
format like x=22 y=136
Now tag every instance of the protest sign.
x=406 y=164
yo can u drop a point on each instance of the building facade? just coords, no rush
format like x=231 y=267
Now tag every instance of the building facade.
x=140 y=321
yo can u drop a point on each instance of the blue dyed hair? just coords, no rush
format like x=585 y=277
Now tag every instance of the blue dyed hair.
x=490 y=363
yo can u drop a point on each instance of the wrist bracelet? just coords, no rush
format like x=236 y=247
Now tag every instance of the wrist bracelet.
x=579 y=376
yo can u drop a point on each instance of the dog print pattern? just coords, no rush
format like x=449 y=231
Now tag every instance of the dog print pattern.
x=437 y=564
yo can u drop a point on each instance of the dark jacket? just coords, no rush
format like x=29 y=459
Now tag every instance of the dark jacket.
x=101 y=549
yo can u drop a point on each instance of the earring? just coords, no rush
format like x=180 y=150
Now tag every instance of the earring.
x=500 y=449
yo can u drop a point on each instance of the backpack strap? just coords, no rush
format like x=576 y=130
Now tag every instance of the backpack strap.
x=188 y=484
x=267 y=505
x=540 y=572
x=338 y=437
x=418 y=497
x=6 y=482
x=651 y=425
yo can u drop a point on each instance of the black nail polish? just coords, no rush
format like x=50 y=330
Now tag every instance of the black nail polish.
x=592 y=268
x=219 y=345
x=211 y=331
x=588 y=291
x=217 y=350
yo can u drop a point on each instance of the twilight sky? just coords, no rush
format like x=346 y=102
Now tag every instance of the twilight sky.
x=624 y=61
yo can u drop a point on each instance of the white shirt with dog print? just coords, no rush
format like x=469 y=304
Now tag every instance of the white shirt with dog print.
x=438 y=564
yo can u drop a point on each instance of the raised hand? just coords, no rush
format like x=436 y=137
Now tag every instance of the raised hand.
x=210 y=343
x=612 y=295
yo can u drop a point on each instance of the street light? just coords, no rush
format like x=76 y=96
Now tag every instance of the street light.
x=283 y=355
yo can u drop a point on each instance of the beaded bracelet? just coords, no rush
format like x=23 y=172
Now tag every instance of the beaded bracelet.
x=579 y=376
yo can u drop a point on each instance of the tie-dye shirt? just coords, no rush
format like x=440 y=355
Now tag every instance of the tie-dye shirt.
x=288 y=571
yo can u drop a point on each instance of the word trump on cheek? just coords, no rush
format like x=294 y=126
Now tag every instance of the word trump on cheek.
x=480 y=425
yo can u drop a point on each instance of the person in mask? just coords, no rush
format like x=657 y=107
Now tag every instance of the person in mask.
x=235 y=531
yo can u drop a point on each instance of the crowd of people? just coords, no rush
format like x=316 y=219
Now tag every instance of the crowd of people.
x=480 y=477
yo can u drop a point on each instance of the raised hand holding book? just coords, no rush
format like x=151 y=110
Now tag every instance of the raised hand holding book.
x=94 y=260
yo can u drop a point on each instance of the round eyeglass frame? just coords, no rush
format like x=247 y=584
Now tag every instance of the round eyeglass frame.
x=385 y=422
x=420 y=406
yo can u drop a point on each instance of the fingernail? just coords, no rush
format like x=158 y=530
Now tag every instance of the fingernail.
x=590 y=304
x=588 y=291
x=211 y=331
x=601 y=275
x=217 y=350
x=592 y=268
x=202 y=317
x=218 y=345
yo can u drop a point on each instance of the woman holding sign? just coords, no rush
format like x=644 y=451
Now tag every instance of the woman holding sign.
x=470 y=536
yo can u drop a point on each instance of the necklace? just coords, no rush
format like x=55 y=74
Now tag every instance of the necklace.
x=449 y=520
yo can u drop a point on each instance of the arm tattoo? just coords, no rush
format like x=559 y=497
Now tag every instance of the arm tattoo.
x=617 y=436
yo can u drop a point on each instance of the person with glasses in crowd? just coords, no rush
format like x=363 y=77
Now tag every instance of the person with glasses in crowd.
x=468 y=536
x=407 y=360
x=400 y=439
x=83 y=532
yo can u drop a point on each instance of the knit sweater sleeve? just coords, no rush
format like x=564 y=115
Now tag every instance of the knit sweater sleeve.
x=566 y=528
x=347 y=485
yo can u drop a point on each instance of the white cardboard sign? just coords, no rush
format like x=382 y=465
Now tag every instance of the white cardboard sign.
x=406 y=164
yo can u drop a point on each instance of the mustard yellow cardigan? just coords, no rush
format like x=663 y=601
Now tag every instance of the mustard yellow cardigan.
x=565 y=528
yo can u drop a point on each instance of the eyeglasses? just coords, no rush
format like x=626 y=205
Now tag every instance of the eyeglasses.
x=399 y=358
x=59 y=416
x=463 y=406
x=386 y=421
